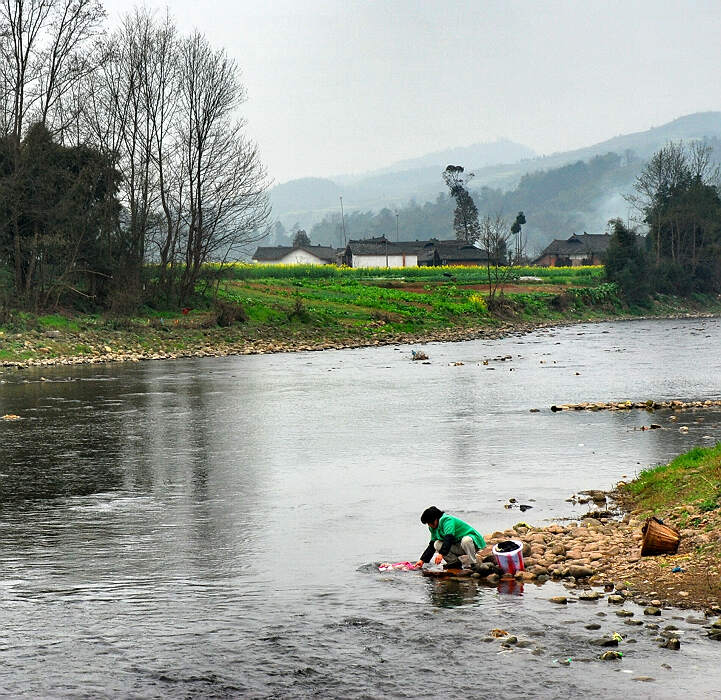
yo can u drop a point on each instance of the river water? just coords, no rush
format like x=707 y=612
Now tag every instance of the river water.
x=206 y=528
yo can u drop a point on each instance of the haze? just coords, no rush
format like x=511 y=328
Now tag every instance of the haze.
x=341 y=87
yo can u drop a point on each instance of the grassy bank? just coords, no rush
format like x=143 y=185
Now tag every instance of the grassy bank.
x=685 y=494
x=684 y=489
x=276 y=308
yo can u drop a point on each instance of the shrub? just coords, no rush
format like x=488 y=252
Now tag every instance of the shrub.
x=226 y=314
x=299 y=312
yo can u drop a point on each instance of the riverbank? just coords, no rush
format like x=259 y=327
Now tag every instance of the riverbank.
x=71 y=339
x=603 y=549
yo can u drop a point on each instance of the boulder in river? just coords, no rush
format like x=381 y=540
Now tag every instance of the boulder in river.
x=606 y=642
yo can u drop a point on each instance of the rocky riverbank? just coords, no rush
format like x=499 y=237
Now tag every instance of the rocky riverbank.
x=605 y=552
x=37 y=348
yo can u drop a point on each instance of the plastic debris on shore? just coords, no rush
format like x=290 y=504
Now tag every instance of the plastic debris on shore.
x=11 y=416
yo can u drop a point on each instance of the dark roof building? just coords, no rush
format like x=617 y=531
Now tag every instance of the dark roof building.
x=289 y=255
x=586 y=249
x=460 y=253
x=379 y=251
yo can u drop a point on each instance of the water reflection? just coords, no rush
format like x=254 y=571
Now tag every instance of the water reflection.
x=452 y=592
x=509 y=586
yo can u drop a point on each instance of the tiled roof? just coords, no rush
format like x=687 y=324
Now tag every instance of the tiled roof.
x=273 y=253
x=449 y=250
x=577 y=245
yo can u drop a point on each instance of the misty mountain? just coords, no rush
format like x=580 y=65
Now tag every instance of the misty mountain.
x=307 y=199
x=478 y=154
x=305 y=194
x=561 y=193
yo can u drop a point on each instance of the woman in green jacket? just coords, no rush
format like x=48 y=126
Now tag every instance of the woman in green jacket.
x=451 y=538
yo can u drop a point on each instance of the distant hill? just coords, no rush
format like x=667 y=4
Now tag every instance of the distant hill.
x=560 y=193
x=307 y=199
x=306 y=194
x=476 y=155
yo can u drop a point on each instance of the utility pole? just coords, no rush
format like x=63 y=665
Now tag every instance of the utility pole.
x=397 y=239
x=342 y=218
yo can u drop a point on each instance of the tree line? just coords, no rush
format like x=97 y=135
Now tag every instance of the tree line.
x=677 y=199
x=118 y=149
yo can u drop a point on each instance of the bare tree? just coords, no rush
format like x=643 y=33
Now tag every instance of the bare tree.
x=660 y=176
x=494 y=238
x=226 y=184
x=42 y=47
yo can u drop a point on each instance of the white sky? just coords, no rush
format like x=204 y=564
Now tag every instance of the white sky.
x=340 y=86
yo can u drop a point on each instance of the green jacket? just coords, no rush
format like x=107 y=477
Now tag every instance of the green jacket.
x=451 y=531
x=448 y=525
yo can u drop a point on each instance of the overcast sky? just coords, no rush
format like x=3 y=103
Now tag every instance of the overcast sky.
x=340 y=86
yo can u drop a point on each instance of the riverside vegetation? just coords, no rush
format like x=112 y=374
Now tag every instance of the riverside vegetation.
x=242 y=309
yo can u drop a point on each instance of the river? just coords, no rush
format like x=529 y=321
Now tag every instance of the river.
x=206 y=528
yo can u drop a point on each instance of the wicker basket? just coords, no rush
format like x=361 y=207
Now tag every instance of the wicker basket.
x=659 y=538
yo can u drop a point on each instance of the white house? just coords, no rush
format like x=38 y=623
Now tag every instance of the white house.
x=380 y=252
x=295 y=255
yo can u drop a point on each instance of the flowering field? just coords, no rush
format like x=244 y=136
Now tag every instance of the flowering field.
x=582 y=275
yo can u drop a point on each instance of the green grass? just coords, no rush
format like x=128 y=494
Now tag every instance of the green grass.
x=58 y=322
x=693 y=478
x=326 y=304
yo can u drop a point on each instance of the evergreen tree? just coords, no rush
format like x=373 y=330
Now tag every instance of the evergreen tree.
x=465 y=217
x=626 y=263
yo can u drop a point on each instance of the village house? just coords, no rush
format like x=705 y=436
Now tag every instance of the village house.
x=459 y=253
x=295 y=255
x=587 y=249
x=381 y=252
x=377 y=251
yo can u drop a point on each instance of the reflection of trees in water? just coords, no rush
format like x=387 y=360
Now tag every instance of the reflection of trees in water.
x=195 y=434
x=64 y=445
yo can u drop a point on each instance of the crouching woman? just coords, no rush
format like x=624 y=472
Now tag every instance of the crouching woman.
x=451 y=539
